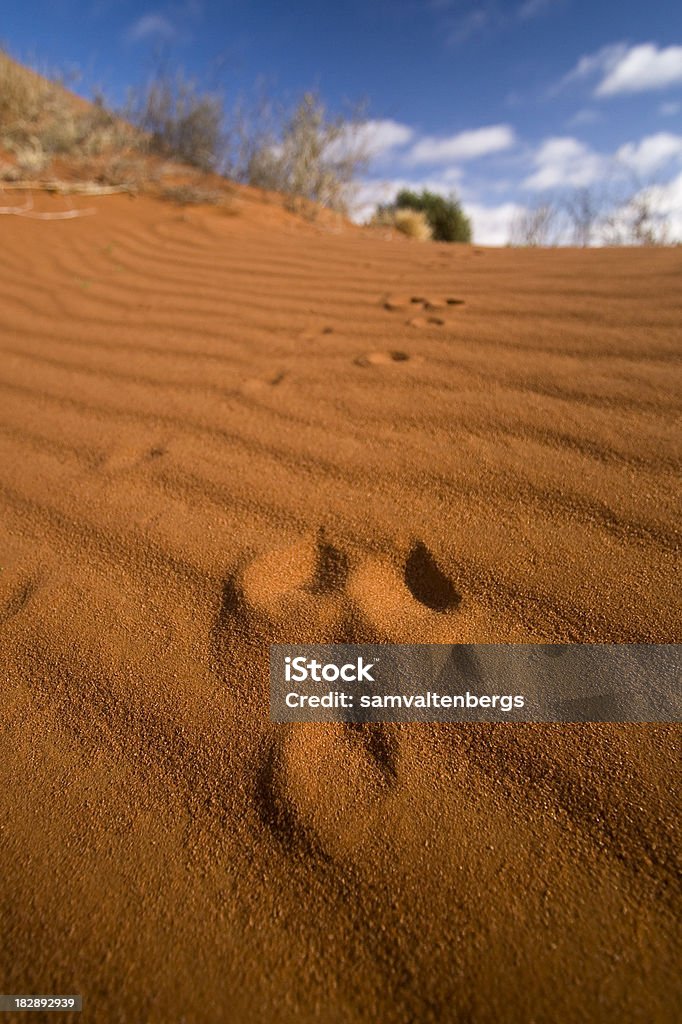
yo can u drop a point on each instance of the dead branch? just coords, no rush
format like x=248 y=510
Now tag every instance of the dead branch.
x=62 y=215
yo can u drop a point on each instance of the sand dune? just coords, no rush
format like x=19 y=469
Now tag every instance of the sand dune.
x=222 y=430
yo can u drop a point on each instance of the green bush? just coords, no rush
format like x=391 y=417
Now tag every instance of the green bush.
x=448 y=221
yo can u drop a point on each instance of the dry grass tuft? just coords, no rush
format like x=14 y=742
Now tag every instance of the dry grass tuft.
x=412 y=223
x=40 y=119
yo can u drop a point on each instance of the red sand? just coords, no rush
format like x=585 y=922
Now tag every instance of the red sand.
x=220 y=430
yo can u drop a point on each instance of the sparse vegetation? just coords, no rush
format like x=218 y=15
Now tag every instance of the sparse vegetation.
x=176 y=119
x=536 y=226
x=606 y=214
x=307 y=155
x=191 y=195
x=412 y=223
x=445 y=216
x=635 y=221
x=39 y=120
x=23 y=96
x=583 y=208
x=310 y=157
x=314 y=159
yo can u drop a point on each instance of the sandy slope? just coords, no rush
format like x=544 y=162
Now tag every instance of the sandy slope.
x=221 y=430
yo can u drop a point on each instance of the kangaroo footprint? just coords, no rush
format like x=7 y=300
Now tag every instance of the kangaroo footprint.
x=386 y=358
x=298 y=588
x=327 y=783
x=425 y=321
x=417 y=604
x=308 y=592
x=429 y=303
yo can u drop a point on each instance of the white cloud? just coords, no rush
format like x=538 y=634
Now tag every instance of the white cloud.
x=628 y=69
x=449 y=176
x=651 y=153
x=373 y=139
x=558 y=164
x=491 y=225
x=371 y=194
x=149 y=26
x=464 y=146
x=643 y=68
x=565 y=162
x=601 y=62
x=384 y=135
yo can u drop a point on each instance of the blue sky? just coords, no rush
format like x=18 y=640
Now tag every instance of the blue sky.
x=503 y=102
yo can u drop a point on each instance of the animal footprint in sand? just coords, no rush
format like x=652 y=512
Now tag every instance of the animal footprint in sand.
x=429 y=304
x=417 y=601
x=387 y=358
x=324 y=785
x=310 y=589
x=425 y=321
x=298 y=589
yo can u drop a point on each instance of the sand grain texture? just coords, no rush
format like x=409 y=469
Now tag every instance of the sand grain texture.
x=219 y=431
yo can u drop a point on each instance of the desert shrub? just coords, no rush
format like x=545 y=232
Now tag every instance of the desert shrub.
x=191 y=195
x=39 y=118
x=448 y=221
x=178 y=120
x=252 y=125
x=22 y=95
x=27 y=104
x=584 y=209
x=637 y=220
x=621 y=210
x=309 y=156
x=538 y=225
x=412 y=223
x=31 y=159
x=313 y=160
